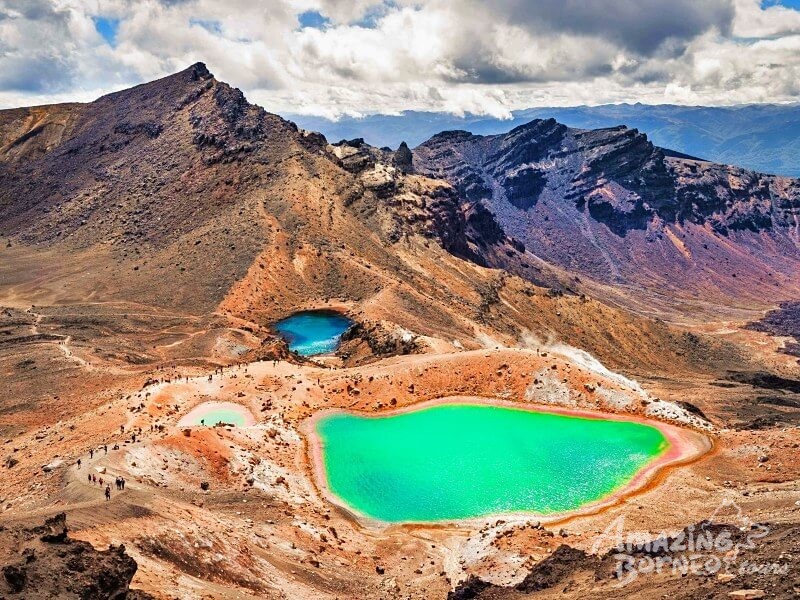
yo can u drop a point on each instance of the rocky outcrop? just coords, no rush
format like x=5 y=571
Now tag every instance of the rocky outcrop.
x=399 y=204
x=455 y=157
x=784 y=322
x=731 y=199
x=403 y=159
x=356 y=156
x=513 y=164
x=564 y=562
x=428 y=209
x=43 y=562
x=366 y=341
x=605 y=575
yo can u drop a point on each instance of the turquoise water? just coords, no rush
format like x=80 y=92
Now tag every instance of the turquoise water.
x=222 y=415
x=313 y=332
x=458 y=461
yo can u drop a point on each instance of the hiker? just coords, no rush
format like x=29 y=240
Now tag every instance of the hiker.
x=89 y=477
x=100 y=479
x=91 y=453
x=122 y=483
x=94 y=479
x=105 y=448
x=108 y=493
x=79 y=463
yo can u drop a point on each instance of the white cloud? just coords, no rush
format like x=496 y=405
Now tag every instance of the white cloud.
x=754 y=21
x=343 y=11
x=452 y=55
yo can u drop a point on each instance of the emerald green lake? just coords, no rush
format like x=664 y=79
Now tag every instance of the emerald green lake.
x=459 y=461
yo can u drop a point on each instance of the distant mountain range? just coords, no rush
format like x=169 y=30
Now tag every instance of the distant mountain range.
x=762 y=137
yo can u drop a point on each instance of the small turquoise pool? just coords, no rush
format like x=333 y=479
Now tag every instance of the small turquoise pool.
x=461 y=461
x=212 y=413
x=313 y=332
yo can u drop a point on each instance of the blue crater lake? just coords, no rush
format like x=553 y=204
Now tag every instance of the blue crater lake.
x=313 y=332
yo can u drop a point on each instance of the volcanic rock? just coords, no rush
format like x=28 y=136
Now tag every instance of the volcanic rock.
x=43 y=562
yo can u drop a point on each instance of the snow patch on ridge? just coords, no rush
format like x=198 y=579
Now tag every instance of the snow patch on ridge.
x=624 y=395
x=590 y=363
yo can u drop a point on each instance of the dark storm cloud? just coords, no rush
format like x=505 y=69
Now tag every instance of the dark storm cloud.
x=480 y=68
x=37 y=10
x=637 y=25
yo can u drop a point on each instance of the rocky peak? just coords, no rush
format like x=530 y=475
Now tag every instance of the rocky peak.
x=614 y=173
x=453 y=135
x=199 y=72
x=118 y=168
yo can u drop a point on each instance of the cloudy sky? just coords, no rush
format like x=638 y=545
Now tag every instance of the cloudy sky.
x=334 y=57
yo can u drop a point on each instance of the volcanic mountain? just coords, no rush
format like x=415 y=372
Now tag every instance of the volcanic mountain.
x=609 y=206
x=180 y=184
x=223 y=179
x=172 y=223
x=152 y=238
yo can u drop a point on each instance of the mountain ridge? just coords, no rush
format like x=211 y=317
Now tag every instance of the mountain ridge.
x=759 y=137
x=610 y=205
x=605 y=204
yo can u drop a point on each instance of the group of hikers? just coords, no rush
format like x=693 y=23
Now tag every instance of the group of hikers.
x=119 y=482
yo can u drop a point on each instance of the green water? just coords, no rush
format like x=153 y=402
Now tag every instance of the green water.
x=222 y=415
x=458 y=461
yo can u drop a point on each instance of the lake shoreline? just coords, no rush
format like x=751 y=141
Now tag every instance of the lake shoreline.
x=315 y=332
x=192 y=418
x=685 y=447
